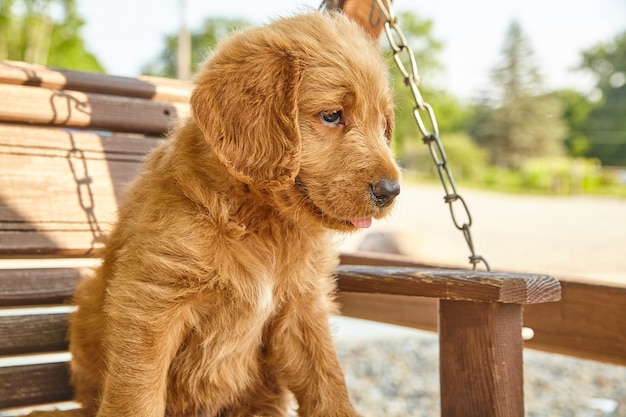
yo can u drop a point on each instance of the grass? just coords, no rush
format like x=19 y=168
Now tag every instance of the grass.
x=534 y=183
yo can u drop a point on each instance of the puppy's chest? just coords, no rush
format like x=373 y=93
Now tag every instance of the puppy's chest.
x=267 y=267
x=244 y=310
x=288 y=278
x=285 y=251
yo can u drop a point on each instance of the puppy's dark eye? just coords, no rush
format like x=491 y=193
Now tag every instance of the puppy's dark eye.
x=331 y=117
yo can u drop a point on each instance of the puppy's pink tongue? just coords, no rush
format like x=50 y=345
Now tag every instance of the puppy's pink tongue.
x=362 y=223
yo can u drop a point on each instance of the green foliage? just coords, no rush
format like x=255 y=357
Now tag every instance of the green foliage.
x=203 y=40
x=28 y=32
x=606 y=125
x=466 y=160
x=607 y=62
x=576 y=110
x=546 y=176
x=561 y=176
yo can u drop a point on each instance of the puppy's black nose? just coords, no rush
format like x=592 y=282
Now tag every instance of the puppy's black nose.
x=384 y=191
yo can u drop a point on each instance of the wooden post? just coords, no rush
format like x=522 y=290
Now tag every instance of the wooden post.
x=481 y=359
x=365 y=12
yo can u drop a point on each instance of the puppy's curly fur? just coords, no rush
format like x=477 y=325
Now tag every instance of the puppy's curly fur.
x=217 y=281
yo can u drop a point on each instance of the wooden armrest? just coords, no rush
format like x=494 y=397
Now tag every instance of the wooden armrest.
x=480 y=328
x=449 y=284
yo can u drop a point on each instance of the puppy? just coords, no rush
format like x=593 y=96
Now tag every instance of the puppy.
x=217 y=281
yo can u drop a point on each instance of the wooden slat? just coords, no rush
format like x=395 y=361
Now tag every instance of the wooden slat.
x=34 y=384
x=25 y=287
x=59 y=190
x=589 y=322
x=416 y=312
x=15 y=139
x=480 y=359
x=42 y=333
x=49 y=243
x=154 y=88
x=43 y=106
x=449 y=284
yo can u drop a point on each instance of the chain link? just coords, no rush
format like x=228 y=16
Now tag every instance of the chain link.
x=430 y=135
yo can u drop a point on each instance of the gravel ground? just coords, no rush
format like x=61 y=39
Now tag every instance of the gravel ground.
x=400 y=377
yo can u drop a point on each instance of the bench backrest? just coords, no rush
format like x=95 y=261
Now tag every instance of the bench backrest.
x=68 y=153
x=69 y=144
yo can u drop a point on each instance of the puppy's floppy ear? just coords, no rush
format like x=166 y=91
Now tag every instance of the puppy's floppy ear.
x=245 y=103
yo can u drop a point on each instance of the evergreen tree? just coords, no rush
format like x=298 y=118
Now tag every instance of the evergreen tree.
x=517 y=76
x=523 y=123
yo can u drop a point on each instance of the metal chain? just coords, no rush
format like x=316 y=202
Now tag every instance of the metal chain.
x=399 y=44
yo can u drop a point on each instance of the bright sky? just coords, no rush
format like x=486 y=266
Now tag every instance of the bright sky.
x=125 y=34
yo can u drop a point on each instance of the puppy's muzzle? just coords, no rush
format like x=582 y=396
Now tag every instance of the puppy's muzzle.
x=384 y=191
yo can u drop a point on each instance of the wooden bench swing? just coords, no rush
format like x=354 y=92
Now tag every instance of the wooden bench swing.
x=70 y=141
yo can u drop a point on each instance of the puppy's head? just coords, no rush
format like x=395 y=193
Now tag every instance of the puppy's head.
x=303 y=107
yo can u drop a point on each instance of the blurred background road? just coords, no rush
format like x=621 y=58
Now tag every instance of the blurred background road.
x=578 y=236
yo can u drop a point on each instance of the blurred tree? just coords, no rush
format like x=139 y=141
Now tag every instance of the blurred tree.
x=44 y=32
x=606 y=124
x=576 y=110
x=203 y=41
x=517 y=76
x=521 y=129
x=519 y=122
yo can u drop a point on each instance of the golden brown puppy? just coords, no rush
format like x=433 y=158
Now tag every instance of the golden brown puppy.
x=217 y=281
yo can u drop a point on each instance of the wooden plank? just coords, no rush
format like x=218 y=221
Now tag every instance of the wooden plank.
x=25 y=287
x=43 y=106
x=50 y=243
x=15 y=139
x=449 y=284
x=416 y=312
x=42 y=333
x=34 y=384
x=481 y=372
x=59 y=190
x=154 y=88
x=589 y=322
